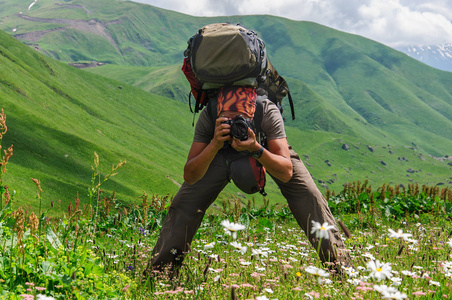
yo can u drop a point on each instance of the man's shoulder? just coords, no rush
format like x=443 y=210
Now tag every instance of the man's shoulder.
x=269 y=107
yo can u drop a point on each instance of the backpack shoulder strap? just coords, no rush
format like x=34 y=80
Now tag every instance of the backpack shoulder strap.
x=212 y=108
x=257 y=120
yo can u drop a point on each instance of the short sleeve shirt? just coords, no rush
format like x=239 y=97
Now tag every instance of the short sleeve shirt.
x=272 y=124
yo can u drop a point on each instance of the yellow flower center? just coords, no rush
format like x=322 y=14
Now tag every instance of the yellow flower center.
x=378 y=269
x=322 y=228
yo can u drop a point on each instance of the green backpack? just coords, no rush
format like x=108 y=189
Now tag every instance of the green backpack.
x=223 y=54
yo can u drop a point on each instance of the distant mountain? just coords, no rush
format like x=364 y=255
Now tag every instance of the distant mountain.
x=437 y=56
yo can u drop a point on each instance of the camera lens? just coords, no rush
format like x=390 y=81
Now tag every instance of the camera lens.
x=239 y=128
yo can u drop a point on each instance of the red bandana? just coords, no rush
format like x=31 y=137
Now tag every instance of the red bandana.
x=237 y=98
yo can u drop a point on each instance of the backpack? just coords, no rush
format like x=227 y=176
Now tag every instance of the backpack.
x=223 y=54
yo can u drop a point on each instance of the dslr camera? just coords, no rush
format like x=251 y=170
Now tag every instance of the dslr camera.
x=239 y=127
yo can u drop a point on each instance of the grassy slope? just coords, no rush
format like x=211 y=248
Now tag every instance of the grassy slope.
x=57 y=116
x=332 y=95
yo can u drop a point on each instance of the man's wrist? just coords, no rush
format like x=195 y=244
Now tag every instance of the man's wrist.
x=257 y=154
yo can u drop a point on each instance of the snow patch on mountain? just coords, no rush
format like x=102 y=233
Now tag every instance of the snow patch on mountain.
x=437 y=56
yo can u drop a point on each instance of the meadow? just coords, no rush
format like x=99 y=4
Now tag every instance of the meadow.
x=399 y=239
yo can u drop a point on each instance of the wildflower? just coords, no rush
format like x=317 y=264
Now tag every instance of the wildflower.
x=130 y=268
x=173 y=251
x=44 y=297
x=245 y=263
x=396 y=281
x=268 y=290
x=379 y=270
x=434 y=283
x=209 y=246
x=353 y=281
x=412 y=241
x=239 y=247
x=308 y=296
x=298 y=274
x=449 y=242
x=231 y=228
x=321 y=230
x=368 y=255
x=394 y=295
x=325 y=281
x=259 y=252
x=447 y=265
x=399 y=234
x=351 y=272
x=384 y=289
x=317 y=272
x=409 y=273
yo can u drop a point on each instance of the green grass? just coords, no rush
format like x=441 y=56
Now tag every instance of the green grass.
x=101 y=251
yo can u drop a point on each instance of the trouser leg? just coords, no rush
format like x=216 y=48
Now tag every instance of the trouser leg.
x=308 y=204
x=185 y=215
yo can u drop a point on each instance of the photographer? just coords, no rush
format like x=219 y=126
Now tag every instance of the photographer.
x=208 y=170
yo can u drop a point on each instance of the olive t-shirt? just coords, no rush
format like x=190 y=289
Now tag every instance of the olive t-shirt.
x=272 y=124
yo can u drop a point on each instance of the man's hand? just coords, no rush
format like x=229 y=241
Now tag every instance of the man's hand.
x=248 y=145
x=221 y=133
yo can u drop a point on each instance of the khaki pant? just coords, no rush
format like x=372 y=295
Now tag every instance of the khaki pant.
x=191 y=202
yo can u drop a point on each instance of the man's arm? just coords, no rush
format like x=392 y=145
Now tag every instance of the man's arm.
x=202 y=154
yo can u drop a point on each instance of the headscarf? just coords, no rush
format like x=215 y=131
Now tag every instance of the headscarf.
x=237 y=98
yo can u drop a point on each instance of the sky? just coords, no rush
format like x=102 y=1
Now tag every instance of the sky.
x=396 y=23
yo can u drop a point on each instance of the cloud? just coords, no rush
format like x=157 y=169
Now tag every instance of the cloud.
x=392 y=22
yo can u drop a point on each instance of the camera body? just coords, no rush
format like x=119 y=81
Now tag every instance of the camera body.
x=239 y=127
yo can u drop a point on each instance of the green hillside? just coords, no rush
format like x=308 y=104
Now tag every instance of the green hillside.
x=57 y=116
x=393 y=112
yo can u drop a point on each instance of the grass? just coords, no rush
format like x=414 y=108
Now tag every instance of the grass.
x=100 y=252
x=398 y=239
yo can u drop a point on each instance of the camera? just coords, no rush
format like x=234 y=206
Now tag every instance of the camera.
x=239 y=127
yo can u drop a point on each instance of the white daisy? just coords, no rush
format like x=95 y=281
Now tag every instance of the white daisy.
x=351 y=272
x=379 y=270
x=321 y=230
x=399 y=234
x=209 y=246
x=232 y=228
x=449 y=242
x=259 y=252
x=395 y=295
x=239 y=247
x=316 y=271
